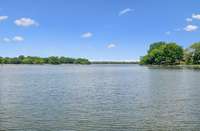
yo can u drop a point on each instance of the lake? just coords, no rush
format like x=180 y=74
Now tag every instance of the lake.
x=98 y=98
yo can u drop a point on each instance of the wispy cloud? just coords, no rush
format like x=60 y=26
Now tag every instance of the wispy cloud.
x=168 y=32
x=191 y=28
x=2 y=18
x=6 y=39
x=188 y=19
x=87 y=35
x=13 y=39
x=25 y=22
x=111 y=45
x=177 y=29
x=18 y=38
x=196 y=16
x=125 y=11
x=173 y=31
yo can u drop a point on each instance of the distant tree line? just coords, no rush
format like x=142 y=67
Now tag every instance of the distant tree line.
x=162 y=53
x=114 y=62
x=39 y=60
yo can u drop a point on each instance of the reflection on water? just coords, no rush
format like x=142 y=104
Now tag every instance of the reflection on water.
x=98 y=98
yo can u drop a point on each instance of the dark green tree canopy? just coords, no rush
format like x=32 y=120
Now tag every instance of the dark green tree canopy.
x=161 y=53
x=156 y=45
x=39 y=60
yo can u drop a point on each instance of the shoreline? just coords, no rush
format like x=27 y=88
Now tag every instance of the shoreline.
x=116 y=63
x=174 y=66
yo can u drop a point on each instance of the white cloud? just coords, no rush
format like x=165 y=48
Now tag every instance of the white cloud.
x=196 y=16
x=168 y=33
x=191 y=28
x=18 y=39
x=188 y=19
x=14 y=39
x=177 y=29
x=125 y=11
x=25 y=22
x=111 y=46
x=87 y=35
x=6 y=39
x=3 y=18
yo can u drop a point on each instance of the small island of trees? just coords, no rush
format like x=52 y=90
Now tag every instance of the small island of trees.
x=39 y=60
x=162 y=53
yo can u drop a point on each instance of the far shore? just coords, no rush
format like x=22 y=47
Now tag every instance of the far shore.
x=125 y=63
x=114 y=62
x=92 y=63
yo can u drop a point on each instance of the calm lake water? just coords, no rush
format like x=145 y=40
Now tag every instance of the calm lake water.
x=98 y=98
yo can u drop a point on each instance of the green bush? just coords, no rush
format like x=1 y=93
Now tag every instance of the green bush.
x=161 y=53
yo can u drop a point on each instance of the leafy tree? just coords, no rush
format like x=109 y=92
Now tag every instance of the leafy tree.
x=67 y=60
x=81 y=61
x=163 y=53
x=27 y=60
x=53 y=60
x=187 y=56
x=6 y=60
x=1 y=60
x=145 y=60
x=14 y=60
x=21 y=57
x=156 y=45
x=192 y=54
x=173 y=53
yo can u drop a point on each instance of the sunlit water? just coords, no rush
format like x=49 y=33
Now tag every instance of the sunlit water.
x=98 y=98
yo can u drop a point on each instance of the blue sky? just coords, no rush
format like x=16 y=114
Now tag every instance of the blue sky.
x=95 y=29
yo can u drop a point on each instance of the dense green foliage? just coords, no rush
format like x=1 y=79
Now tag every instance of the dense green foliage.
x=162 y=53
x=192 y=54
x=39 y=60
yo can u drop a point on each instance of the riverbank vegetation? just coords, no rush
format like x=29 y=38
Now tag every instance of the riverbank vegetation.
x=39 y=60
x=114 y=62
x=162 y=53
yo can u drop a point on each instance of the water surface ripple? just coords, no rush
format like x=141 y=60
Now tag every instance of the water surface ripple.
x=98 y=98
